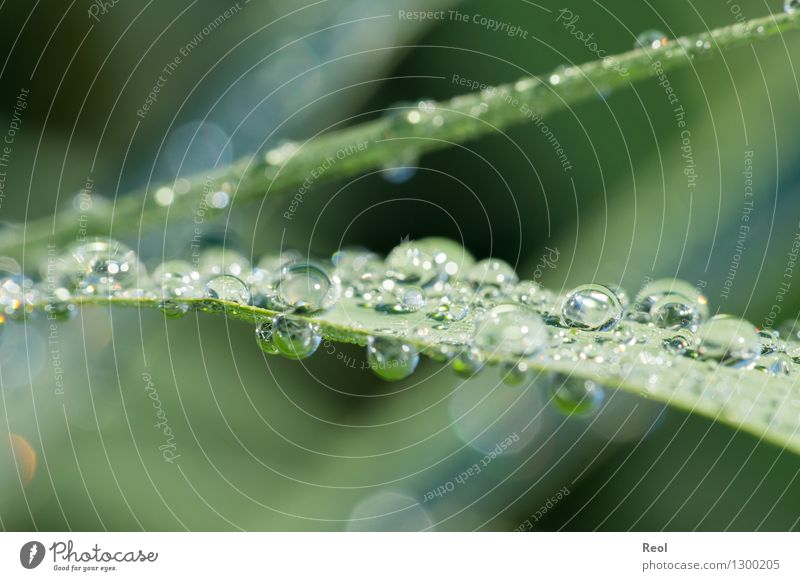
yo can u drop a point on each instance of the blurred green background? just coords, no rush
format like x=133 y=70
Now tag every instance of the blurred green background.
x=272 y=444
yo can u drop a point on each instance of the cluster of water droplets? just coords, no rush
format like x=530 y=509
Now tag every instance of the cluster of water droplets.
x=428 y=296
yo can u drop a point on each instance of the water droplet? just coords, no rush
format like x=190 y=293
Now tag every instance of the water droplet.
x=295 y=338
x=173 y=309
x=17 y=296
x=652 y=39
x=451 y=258
x=227 y=287
x=675 y=312
x=468 y=362
x=776 y=364
x=449 y=311
x=401 y=169
x=576 y=395
x=265 y=339
x=100 y=267
x=679 y=343
x=391 y=359
x=357 y=267
x=591 y=306
x=404 y=299
x=492 y=272
x=510 y=329
x=770 y=341
x=791 y=6
x=306 y=287
x=655 y=290
x=410 y=264
x=728 y=340
x=514 y=374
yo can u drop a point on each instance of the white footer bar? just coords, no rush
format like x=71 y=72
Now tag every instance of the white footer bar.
x=401 y=556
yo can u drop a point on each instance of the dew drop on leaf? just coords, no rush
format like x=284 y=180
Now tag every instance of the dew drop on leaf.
x=651 y=39
x=265 y=339
x=306 y=287
x=510 y=329
x=227 y=287
x=295 y=338
x=391 y=359
x=591 y=306
x=576 y=395
x=492 y=272
x=729 y=340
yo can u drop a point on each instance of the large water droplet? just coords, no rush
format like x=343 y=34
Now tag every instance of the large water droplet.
x=391 y=359
x=576 y=395
x=100 y=267
x=305 y=287
x=791 y=6
x=728 y=340
x=295 y=338
x=227 y=287
x=591 y=306
x=510 y=329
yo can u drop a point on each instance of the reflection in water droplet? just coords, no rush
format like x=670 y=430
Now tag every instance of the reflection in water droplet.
x=100 y=267
x=468 y=362
x=391 y=359
x=305 y=287
x=265 y=339
x=410 y=264
x=776 y=364
x=227 y=287
x=675 y=312
x=791 y=6
x=591 y=306
x=295 y=338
